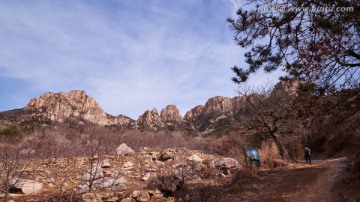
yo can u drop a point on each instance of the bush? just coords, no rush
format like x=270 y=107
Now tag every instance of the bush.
x=10 y=131
x=269 y=153
x=168 y=185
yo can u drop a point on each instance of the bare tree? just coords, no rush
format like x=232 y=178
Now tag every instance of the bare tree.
x=93 y=171
x=269 y=108
x=15 y=159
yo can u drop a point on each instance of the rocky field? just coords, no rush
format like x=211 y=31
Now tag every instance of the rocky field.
x=128 y=175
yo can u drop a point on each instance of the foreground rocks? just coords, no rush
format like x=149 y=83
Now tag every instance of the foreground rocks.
x=152 y=175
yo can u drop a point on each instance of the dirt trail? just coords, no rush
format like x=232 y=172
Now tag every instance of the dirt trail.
x=308 y=183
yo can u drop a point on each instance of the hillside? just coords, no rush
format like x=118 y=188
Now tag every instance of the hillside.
x=64 y=145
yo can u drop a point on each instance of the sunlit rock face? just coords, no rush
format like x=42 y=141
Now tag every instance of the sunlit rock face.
x=171 y=115
x=58 y=106
x=150 y=119
x=288 y=87
x=194 y=113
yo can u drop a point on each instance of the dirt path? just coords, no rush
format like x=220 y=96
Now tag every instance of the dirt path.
x=308 y=183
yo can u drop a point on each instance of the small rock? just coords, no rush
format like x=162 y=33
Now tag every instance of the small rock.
x=128 y=200
x=102 y=195
x=179 y=165
x=195 y=158
x=128 y=165
x=106 y=164
x=156 y=194
x=167 y=154
x=135 y=194
x=146 y=177
x=88 y=197
x=143 y=196
x=96 y=173
x=27 y=152
x=112 y=199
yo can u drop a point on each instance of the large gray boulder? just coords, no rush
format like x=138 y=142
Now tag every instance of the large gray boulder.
x=95 y=172
x=29 y=186
x=226 y=164
x=124 y=150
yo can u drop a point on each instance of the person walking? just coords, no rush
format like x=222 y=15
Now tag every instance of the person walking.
x=307 y=154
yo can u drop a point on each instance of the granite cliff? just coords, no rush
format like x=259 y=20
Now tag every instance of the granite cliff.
x=77 y=104
x=58 y=106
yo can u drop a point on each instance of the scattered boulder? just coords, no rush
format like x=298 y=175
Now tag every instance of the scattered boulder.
x=101 y=196
x=108 y=183
x=128 y=200
x=179 y=165
x=167 y=154
x=128 y=165
x=156 y=194
x=27 y=152
x=124 y=150
x=106 y=164
x=166 y=184
x=143 y=196
x=226 y=164
x=112 y=199
x=195 y=158
x=28 y=186
x=89 y=197
x=95 y=173
x=146 y=177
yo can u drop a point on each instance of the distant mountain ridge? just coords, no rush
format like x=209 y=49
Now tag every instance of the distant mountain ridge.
x=77 y=104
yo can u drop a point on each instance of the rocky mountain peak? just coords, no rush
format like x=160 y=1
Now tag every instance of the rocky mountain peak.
x=76 y=103
x=218 y=105
x=289 y=87
x=194 y=113
x=171 y=114
x=150 y=119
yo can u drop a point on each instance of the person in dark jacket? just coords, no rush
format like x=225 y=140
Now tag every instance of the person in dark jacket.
x=307 y=154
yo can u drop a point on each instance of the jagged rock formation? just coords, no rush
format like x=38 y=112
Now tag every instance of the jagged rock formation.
x=217 y=111
x=58 y=106
x=150 y=119
x=194 y=113
x=217 y=105
x=289 y=87
x=171 y=115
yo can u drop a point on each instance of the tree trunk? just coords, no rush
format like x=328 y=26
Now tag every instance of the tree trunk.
x=278 y=145
x=7 y=186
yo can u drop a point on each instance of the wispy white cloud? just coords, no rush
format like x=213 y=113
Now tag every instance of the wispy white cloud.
x=128 y=55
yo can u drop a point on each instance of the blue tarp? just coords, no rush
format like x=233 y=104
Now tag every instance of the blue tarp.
x=253 y=155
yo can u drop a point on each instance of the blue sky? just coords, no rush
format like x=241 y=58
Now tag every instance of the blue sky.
x=130 y=55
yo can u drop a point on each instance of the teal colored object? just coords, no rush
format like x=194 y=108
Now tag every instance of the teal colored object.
x=253 y=155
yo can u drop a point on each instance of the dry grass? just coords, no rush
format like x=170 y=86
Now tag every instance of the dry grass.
x=269 y=155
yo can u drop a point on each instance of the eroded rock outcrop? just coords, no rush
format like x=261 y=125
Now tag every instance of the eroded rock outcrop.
x=288 y=87
x=194 y=113
x=171 y=115
x=150 y=119
x=218 y=105
x=58 y=106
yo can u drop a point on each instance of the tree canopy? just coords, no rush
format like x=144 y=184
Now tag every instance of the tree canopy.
x=315 y=41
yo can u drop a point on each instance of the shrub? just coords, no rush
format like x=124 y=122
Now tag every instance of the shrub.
x=10 y=131
x=168 y=184
x=269 y=153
